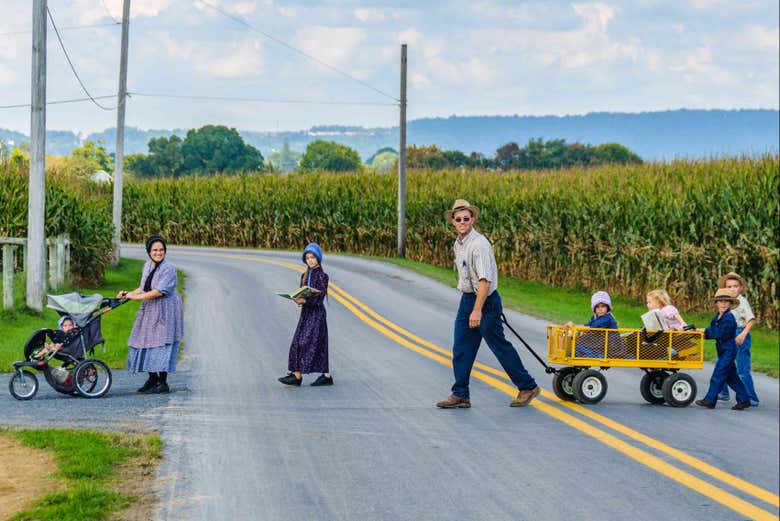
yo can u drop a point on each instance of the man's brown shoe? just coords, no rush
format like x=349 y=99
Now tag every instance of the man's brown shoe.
x=705 y=403
x=741 y=406
x=525 y=397
x=454 y=402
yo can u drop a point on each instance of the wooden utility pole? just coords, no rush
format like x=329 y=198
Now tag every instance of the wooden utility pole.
x=36 y=202
x=402 y=161
x=119 y=156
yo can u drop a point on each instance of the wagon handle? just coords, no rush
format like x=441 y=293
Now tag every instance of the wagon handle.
x=547 y=368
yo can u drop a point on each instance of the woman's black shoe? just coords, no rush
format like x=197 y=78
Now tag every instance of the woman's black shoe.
x=322 y=380
x=146 y=387
x=291 y=380
x=160 y=388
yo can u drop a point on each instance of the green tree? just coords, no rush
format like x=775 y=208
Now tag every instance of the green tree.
x=615 y=153
x=286 y=159
x=329 y=155
x=385 y=162
x=93 y=155
x=508 y=156
x=164 y=159
x=216 y=148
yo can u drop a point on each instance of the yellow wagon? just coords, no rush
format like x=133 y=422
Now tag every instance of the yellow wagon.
x=660 y=354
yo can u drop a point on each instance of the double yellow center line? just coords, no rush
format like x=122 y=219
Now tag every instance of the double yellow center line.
x=498 y=380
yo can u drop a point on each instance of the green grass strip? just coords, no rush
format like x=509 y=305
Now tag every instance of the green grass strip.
x=88 y=461
x=559 y=305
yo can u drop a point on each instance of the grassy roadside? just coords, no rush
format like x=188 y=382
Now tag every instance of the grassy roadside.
x=559 y=305
x=103 y=473
x=20 y=324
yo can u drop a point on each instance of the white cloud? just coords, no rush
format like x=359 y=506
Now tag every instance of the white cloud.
x=419 y=80
x=234 y=61
x=369 y=15
x=762 y=38
x=243 y=8
x=410 y=36
x=217 y=59
x=6 y=74
x=698 y=67
x=333 y=45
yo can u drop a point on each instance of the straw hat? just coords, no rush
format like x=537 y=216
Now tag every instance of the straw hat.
x=724 y=294
x=461 y=204
x=732 y=276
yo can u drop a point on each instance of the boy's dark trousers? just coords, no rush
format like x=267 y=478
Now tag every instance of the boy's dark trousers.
x=467 y=341
x=726 y=371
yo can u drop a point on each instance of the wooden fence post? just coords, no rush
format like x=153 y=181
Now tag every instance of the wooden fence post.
x=66 y=243
x=52 y=265
x=8 y=276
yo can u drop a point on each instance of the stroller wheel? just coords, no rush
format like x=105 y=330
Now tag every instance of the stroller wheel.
x=23 y=385
x=92 y=378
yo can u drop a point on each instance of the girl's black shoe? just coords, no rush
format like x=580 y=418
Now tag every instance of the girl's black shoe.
x=322 y=380
x=291 y=380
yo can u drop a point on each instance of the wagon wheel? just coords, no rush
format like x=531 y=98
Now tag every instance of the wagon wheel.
x=590 y=386
x=651 y=386
x=679 y=390
x=563 y=383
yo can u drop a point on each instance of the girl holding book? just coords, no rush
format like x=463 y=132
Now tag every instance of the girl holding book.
x=309 y=347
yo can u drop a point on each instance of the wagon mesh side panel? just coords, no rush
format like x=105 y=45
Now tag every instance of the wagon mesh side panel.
x=628 y=347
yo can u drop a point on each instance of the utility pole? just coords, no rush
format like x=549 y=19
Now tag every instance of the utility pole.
x=402 y=161
x=36 y=202
x=119 y=156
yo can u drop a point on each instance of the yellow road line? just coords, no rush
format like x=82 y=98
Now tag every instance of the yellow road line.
x=697 y=484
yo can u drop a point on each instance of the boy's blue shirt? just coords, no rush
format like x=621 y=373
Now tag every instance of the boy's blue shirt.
x=604 y=321
x=722 y=330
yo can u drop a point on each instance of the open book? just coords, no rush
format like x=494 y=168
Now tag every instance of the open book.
x=302 y=292
x=654 y=321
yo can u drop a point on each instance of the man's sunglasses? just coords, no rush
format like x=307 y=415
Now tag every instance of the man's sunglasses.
x=462 y=219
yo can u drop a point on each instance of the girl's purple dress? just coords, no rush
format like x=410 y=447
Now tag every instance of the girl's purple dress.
x=309 y=347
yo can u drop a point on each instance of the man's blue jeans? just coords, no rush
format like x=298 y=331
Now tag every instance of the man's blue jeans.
x=725 y=372
x=467 y=341
x=743 y=370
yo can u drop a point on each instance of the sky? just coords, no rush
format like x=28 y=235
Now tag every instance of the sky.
x=464 y=58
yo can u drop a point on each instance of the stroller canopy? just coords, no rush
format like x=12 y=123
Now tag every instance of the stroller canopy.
x=78 y=306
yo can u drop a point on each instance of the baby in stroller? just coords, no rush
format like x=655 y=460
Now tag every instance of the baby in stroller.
x=73 y=344
x=65 y=334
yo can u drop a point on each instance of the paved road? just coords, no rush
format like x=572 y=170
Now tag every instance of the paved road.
x=373 y=447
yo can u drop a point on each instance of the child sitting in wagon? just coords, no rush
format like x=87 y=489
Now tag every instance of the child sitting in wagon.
x=591 y=345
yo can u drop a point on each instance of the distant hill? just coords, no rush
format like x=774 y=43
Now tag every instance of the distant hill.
x=653 y=135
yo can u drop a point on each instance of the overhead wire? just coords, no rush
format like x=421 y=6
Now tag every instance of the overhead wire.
x=257 y=100
x=246 y=24
x=66 y=28
x=72 y=68
x=59 y=102
x=103 y=3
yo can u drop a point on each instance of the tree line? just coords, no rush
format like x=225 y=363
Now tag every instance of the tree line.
x=214 y=149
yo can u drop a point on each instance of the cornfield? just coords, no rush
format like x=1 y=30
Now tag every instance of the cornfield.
x=70 y=209
x=627 y=229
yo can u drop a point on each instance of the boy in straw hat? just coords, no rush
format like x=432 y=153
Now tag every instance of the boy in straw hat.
x=745 y=318
x=479 y=313
x=723 y=329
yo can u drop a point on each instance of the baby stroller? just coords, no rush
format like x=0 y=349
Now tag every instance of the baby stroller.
x=79 y=375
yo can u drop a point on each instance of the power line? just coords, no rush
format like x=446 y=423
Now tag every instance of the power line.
x=58 y=102
x=103 y=3
x=258 y=100
x=243 y=22
x=72 y=68
x=66 y=28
